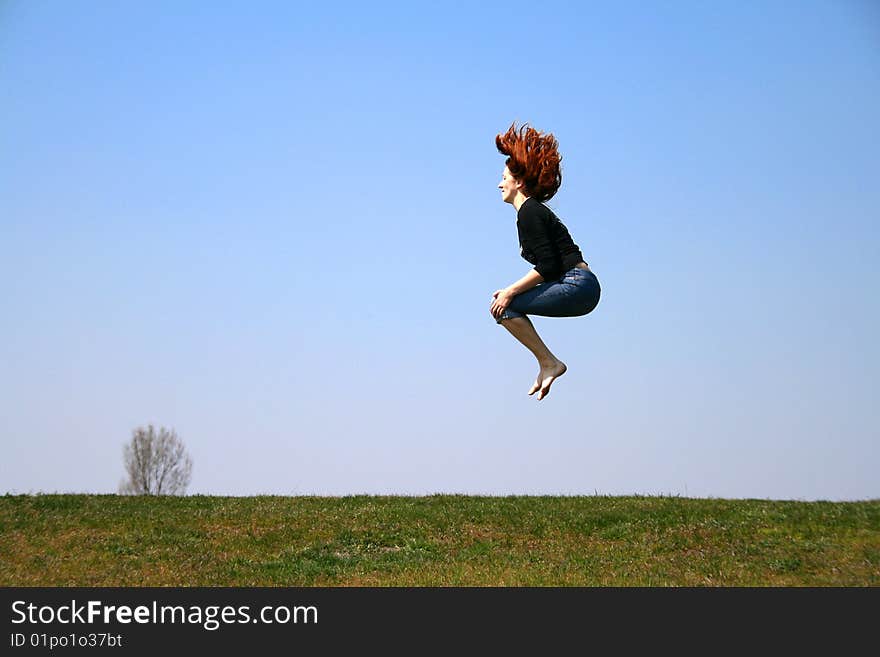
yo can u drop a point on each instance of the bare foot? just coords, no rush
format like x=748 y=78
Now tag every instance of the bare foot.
x=548 y=376
x=536 y=386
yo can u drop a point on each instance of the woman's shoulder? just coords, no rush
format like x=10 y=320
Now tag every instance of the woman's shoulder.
x=533 y=207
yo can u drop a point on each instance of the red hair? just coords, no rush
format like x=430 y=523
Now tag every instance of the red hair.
x=532 y=157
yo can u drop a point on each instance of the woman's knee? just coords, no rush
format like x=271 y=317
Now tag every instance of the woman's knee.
x=507 y=313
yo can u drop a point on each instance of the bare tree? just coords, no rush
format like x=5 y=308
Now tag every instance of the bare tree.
x=157 y=463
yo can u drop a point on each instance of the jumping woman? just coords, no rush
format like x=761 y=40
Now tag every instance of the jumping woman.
x=561 y=284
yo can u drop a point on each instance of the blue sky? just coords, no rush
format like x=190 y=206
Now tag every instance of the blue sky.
x=275 y=227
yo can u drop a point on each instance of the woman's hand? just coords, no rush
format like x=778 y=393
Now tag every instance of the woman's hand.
x=502 y=299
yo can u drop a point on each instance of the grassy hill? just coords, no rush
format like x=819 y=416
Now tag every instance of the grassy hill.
x=441 y=540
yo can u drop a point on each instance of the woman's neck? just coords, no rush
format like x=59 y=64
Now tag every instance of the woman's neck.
x=519 y=199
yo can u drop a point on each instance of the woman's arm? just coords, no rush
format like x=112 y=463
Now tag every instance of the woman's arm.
x=502 y=298
x=533 y=223
x=527 y=282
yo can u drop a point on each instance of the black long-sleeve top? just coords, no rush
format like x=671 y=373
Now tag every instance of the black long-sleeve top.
x=544 y=240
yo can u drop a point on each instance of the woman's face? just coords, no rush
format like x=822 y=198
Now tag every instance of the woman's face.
x=508 y=186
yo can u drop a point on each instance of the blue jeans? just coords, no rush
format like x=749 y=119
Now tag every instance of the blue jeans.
x=575 y=294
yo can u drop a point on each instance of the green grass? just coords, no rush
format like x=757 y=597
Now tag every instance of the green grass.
x=441 y=540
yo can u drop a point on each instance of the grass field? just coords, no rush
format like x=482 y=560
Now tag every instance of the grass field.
x=441 y=540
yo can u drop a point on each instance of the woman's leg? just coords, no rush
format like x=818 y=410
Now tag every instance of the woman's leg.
x=576 y=294
x=551 y=367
